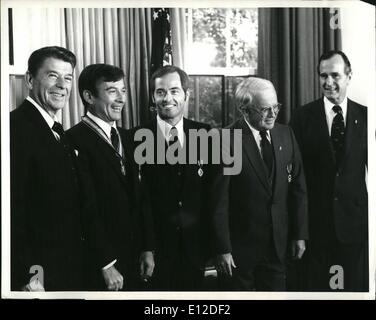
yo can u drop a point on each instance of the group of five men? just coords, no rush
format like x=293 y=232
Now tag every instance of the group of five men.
x=93 y=217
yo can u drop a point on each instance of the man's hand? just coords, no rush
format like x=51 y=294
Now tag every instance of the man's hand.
x=297 y=249
x=146 y=265
x=33 y=286
x=113 y=278
x=224 y=264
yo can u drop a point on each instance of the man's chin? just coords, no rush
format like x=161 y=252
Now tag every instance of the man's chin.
x=269 y=125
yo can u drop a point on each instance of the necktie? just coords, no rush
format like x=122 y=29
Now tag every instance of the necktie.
x=115 y=139
x=58 y=128
x=266 y=151
x=338 y=134
x=173 y=136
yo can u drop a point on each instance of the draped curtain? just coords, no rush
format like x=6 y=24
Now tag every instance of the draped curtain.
x=290 y=43
x=178 y=36
x=121 y=37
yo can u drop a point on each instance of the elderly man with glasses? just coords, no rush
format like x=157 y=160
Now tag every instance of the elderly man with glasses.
x=262 y=213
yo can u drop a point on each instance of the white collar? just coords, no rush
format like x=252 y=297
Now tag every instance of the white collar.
x=165 y=128
x=329 y=107
x=102 y=124
x=46 y=116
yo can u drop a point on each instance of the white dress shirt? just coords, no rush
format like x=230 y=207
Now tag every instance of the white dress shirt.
x=165 y=128
x=330 y=114
x=46 y=116
x=257 y=136
x=102 y=124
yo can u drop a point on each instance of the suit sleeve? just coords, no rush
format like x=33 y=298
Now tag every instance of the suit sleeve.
x=142 y=205
x=219 y=204
x=298 y=202
x=22 y=249
x=92 y=226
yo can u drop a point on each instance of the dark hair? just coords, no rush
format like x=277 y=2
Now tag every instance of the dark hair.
x=330 y=54
x=160 y=72
x=94 y=73
x=37 y=58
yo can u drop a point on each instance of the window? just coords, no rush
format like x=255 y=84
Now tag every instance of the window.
x=222 y=41
x=221 y=51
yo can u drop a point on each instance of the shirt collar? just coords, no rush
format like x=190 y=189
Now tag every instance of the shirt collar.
x=255 y=132
x=165 y=127
x=46 y=116
x=329 y=105
x=102 y=124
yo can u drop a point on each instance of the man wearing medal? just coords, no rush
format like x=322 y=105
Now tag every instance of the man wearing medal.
x=261 y=216
x=179 y=191
x=125 y=256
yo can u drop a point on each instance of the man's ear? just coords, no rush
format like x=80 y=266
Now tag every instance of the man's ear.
x=187 y=96
x=88 y=97
x=350 y=75
x=29 y=80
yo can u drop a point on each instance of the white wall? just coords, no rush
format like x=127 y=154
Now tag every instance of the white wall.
x=358 y=42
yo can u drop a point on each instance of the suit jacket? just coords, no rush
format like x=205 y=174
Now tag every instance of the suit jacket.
x=179 y=201
x=337 y=198
x=122 y=222
x=46 y=211
x=250 y=209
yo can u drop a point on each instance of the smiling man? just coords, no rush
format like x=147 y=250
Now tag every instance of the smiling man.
x=332 y=135
x=46 y=197
x=179 y=192
x=126 y=255
x=261 y=215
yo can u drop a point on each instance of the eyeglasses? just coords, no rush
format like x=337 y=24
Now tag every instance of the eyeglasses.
x=265 y=110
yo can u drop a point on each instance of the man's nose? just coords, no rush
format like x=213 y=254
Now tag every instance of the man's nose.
x=120 y=97
x=62 y=83
x=271 y=112
x=329 y=81
x=167 y=96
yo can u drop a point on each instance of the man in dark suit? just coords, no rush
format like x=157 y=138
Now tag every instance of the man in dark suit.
x=127 y=238
x=261 y=212
x=46 y=209
x=332 y=135
x=178 y=190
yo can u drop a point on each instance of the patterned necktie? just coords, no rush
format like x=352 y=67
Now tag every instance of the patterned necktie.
x=266 y=151
x=338 y=134
x=115 y=139
x=58 y=128
x=173 y=136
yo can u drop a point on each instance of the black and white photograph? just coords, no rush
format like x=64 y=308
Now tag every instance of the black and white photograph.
x=188 y=150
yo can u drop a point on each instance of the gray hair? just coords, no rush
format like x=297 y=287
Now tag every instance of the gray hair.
x=248 y=89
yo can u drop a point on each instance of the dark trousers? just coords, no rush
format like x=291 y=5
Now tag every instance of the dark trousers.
x=267 y=273
x=351 y=258
x=176 y=272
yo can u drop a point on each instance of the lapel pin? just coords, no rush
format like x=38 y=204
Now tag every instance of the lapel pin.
x=289 y=170
x=122 y=168
x=200 y=171
x=356 y=121
x=76 y=152
x=280 y=148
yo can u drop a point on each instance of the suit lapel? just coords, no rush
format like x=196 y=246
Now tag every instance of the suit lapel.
x=322 y=131
x=108 y=152
x=253 y=154
x=278 y=148
x=352 y=128
x=41 y=126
